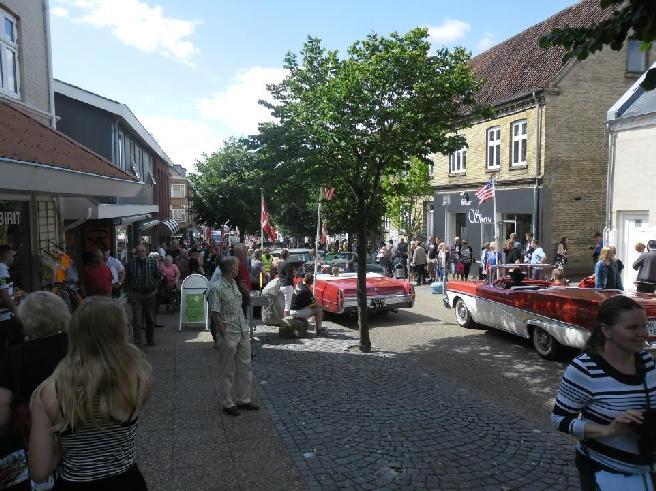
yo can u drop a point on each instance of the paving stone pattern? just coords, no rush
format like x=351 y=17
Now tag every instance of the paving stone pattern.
x=377 y=421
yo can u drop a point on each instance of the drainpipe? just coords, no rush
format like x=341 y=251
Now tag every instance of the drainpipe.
x=610 y=179
x=51 y=81
x=538 y=163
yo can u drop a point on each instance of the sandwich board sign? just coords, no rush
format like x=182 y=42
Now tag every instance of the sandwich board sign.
x=194 y=309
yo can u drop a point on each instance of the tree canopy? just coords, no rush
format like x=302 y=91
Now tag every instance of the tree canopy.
x=633 y=18
x=349 y=122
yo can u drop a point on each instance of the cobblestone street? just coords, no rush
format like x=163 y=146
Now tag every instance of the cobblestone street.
x=354 y=421
x=333 y=418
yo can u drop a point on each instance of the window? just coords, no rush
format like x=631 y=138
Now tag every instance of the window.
x=8 y=55
x=177 y=190
x=494 y=147
x=179 y=214
x=47 y=224
x=636 y=59
x=431 y=168
x=518 y=149
x=120 y=154
x=458 y=161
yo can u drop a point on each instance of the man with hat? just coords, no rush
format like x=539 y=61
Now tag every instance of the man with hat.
x=646 y=267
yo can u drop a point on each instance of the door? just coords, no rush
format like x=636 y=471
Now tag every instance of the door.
x=635 y=228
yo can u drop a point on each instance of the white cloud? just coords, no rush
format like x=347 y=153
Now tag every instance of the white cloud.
x=448 y=31
x=486 y=42
x=236 y=106
x=59 y=12
x=183 y=140
x=137 y=24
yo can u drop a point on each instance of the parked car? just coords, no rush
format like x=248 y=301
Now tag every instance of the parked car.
x=301 y=260
x=552 y=316
x=338 y=294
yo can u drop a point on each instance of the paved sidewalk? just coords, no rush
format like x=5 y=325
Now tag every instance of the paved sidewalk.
x=186 y=443
x=333 y=418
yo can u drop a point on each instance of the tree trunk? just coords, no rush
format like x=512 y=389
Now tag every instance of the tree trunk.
x=363 y=325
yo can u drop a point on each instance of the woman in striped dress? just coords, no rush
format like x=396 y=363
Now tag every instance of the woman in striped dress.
x=604 y=397
x=84 y=416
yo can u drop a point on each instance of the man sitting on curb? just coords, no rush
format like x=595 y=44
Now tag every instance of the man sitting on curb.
x=303 y=304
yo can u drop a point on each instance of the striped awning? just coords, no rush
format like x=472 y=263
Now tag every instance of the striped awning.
x=171 y=224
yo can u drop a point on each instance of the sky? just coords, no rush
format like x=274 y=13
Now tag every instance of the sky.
x=192 y=71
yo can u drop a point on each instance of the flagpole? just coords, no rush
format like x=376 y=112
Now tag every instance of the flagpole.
x=496 y=230
x=261 y=221
x=316 y=242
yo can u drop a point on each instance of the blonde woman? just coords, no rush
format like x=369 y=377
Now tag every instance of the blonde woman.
x=607 y=276
x=84 y=416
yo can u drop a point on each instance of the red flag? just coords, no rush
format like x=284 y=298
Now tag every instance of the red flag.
x=329 y=193
x=268 y=229
x=324 y=234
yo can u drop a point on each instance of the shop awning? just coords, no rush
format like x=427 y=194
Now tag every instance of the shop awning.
x=76 y=207
x=36 y=158
x=172 y=225
x=148 y=225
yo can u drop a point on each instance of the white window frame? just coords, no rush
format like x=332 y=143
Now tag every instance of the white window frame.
x=180 y=216
x=11 y=46
x=521 y=138
x=631 y=46
x=493 y=138
x=182 y=186
x=458 y=161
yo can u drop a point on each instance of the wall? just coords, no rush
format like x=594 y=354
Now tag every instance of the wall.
x=476 y=137
x=86 y=124
x=576 y=154
x=33 y=55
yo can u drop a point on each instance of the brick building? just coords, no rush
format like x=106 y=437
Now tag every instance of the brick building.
x=180 y=200
x=546 y=144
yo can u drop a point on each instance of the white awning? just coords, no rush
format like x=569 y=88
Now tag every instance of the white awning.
x=39 y=178
x=76 y=207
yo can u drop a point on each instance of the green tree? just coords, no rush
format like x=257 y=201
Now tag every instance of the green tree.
x=350 y=122
x=226 y=186
x=632 y=18
x=404 y=197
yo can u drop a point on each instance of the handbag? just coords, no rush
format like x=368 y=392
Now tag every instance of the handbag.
x=460 y=268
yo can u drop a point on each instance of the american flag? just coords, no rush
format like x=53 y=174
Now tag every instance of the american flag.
x=486 y=192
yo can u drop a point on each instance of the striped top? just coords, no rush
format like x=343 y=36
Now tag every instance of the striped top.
x=103 y=449
x=594 y=391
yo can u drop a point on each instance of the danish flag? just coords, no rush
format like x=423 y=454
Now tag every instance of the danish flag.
x=329 y=193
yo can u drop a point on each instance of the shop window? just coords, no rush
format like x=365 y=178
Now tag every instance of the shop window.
x=47 y=225
x=519 y=141
x=15 y=232
x=9 y=72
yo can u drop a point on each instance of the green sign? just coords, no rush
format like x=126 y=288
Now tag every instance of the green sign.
x=194 y=307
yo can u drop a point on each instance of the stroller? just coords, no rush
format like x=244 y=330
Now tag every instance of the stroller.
x=399 y=267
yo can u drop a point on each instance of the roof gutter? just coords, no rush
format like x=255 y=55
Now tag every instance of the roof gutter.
x=51 y=79
x=610 y=179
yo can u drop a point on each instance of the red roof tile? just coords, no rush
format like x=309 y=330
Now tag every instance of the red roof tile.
x=26 y=139
x=518 y=66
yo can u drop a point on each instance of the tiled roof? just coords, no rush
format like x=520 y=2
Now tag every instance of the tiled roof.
x=25 y=139
x=518 y=66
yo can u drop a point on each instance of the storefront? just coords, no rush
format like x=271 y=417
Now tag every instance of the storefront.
x=459 y=214
x=15 y=231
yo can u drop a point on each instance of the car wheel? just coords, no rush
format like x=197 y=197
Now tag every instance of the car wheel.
x=463 y=317
x=546 y=345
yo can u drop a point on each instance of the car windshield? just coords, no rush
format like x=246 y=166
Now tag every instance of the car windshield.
x=300 y=258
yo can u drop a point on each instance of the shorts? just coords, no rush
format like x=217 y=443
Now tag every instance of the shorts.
x=304 y=313
x=287 y=291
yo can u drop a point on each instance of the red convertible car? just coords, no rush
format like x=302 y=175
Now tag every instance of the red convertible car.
x=552 y=316
x=338 y=294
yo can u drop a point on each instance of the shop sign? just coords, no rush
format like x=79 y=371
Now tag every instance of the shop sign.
x=475 y=216
x=194 y=308
x=465 y=202
x=10 y=217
